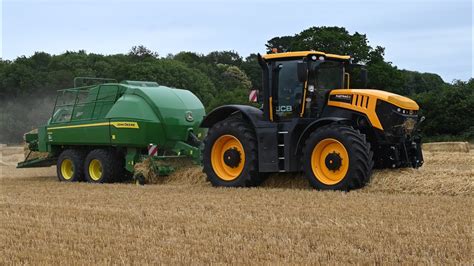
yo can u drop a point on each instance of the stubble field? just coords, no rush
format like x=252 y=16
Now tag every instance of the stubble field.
x=405 y=215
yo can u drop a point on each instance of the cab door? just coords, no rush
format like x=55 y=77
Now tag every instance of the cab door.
x=287 y=91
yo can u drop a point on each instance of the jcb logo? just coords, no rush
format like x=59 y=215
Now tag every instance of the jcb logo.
x=284 y=108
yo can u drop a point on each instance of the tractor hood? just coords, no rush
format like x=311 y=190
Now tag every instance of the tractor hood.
x=395 y=99
x=368 y=101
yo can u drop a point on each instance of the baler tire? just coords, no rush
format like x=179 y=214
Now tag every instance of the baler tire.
x=109 y=165
x=243 y=134
x=70 y=161
x=346 y=140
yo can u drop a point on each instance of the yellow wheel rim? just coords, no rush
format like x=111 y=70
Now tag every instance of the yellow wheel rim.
x=223 y=144
x=95 y=170
x=324 y=167
x=67 y=169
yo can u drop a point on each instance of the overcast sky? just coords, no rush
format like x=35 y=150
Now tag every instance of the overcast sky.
x=427 y=36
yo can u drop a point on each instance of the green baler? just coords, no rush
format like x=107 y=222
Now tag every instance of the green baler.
x=97 y=133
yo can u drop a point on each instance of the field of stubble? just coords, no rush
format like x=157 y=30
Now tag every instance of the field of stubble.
x=403 y=216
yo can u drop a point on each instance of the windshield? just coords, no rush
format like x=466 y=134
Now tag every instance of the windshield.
x=324 y=76
x=327 y=75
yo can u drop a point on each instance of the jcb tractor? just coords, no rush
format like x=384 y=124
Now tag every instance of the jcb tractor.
x=311 y=121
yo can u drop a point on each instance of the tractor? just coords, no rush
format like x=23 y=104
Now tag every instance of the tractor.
x=311 y=121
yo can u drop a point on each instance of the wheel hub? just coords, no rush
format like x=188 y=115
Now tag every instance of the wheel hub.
x=232 y=157
x=333 y=161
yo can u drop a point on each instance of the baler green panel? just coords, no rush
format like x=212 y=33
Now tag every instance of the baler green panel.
x=91 y=133
x=139 y=135
x=172 y=106
x=42 y=139
x=131 y=106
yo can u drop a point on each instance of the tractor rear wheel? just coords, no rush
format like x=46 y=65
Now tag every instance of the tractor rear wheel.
x=69 y=166
x=102 y=166
x=230 y=157
x=337 y=157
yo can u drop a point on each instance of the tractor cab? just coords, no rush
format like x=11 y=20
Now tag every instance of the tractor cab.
x=298 y=83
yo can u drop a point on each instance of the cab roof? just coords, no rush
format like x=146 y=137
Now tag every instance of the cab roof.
x=304 y=54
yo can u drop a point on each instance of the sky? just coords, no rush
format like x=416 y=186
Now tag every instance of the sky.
x=422 y=35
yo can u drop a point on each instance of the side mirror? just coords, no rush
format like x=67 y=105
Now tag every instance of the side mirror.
x=363 y=77
x=302 y=69
x=253 y=96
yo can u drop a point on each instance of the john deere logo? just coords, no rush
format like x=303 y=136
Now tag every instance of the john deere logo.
x=189 y=116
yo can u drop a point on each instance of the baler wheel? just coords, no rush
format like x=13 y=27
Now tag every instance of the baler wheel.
x=69 y=166
x=102 y=166
x=337 y=157
x=230 y=156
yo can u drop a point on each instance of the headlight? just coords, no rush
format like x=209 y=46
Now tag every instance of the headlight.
x=405 y=111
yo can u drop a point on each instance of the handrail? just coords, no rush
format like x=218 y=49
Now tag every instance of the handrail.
x=76 y=103
x=90 y=78
x=77 y=88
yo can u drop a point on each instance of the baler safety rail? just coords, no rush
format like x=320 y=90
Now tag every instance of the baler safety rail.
x=77 y=103
x=82 y=79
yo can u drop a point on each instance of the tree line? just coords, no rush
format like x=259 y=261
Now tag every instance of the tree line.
x=28 y=84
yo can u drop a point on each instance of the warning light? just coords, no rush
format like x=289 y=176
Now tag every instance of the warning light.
x=274 y=50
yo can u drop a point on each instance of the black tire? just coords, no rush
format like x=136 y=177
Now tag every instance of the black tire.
x=110 y=165
x=243 y=132
x=69 y=166
x=258 y=180
x=355 y=148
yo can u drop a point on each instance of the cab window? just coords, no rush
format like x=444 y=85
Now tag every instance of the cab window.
x=290 y=90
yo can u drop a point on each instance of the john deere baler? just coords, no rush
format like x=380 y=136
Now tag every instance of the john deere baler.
x=96 y=132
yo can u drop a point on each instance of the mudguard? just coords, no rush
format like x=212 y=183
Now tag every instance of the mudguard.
x=252 y=114
x=316 y=124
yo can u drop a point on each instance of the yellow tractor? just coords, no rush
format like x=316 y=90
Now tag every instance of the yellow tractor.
x=311 y=121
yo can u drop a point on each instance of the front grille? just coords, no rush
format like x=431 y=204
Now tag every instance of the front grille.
x=396 y=122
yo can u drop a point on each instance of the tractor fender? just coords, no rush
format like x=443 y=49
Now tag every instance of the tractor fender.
x=252 y=114
x=318 y=123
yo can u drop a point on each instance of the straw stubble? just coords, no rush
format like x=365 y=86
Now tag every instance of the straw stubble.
x=404 y=215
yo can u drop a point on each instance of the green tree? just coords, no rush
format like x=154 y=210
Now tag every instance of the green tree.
x=175 y=74
x=224 y=57
x=335 y=40
x=253 y=71
x=449 y=110
x=221 y=77
x=416 y=82
x=141 y=52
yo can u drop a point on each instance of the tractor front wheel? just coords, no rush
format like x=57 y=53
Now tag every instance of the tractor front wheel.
x=230 y=157
x=337 y=157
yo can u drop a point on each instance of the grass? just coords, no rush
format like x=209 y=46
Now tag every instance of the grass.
x=403 y=216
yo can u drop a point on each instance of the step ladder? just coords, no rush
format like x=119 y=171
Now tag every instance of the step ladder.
x=281 y=151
